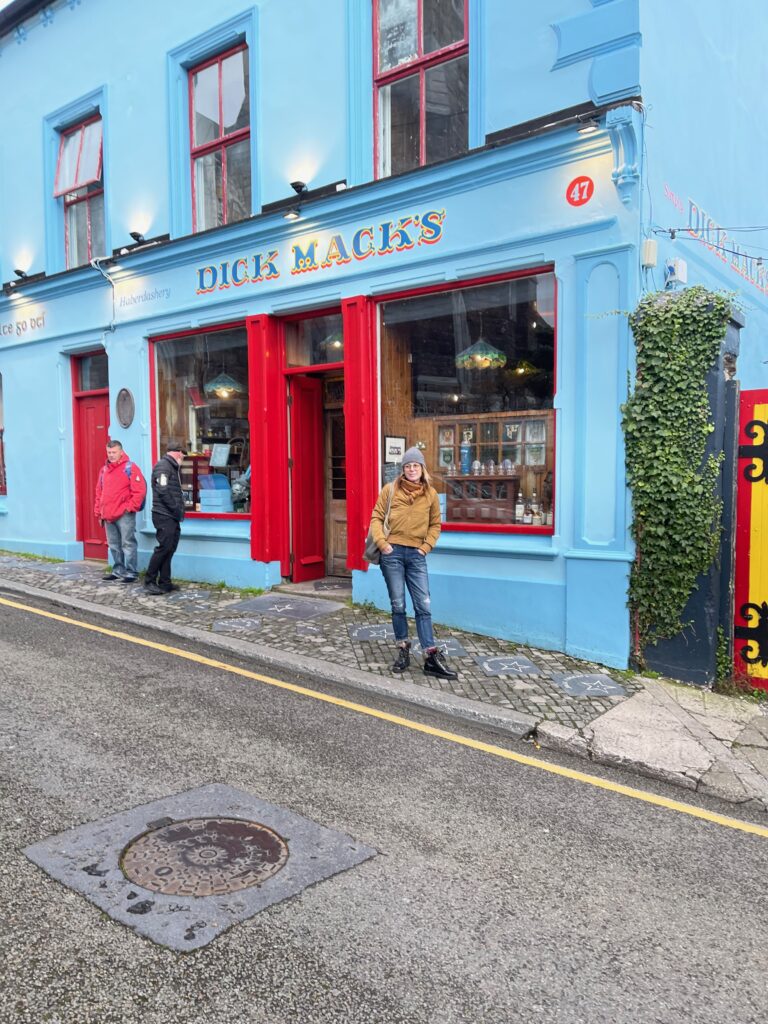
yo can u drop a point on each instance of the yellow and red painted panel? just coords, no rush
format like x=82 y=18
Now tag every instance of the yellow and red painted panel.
x=751 y=587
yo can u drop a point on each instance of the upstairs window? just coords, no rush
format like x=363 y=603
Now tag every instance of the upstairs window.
x=421 y=84
x=221 y=140
x=79 y=183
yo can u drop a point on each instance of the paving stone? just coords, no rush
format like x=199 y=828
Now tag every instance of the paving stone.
x=236 y=625
x=286 y=607
x=512 y=663
x=595 y=685
x=381 y=632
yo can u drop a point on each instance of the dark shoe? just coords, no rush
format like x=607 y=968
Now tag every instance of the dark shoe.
x=403 y=659
x=167 y=588
x=127 y=579
x=110 y=576
x=435 y=666
x=152 y=588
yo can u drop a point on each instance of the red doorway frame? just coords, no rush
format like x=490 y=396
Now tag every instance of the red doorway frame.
x=85 y=488
x=270 y=532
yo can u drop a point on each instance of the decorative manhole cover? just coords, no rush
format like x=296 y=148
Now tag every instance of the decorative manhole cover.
x=205 y=857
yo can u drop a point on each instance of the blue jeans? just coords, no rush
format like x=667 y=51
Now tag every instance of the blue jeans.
x=121 y=538
x=407 y=567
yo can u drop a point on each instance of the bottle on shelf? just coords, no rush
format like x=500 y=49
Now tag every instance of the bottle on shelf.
x=548 y=520
x=491 y=467
x=519 y=506
x=537 y=520
x=535 y=506
x=466 y=458
x=476 y=468
x=527 y=514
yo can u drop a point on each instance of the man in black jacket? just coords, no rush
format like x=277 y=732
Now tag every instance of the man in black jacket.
x=167 y=514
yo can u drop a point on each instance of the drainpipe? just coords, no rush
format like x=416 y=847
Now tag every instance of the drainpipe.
x=96 y=264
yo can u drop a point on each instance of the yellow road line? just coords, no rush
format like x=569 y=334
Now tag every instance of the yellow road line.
x=452 y=737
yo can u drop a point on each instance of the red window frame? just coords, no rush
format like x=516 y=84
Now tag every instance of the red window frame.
x=191 y=514
x=223 y=142
x=478 y=282
x=69 y=194
x=420 y=64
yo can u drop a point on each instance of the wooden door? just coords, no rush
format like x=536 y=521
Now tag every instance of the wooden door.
x=91 y=416
x=307 y=479
x=335 y=494
x=751 y=586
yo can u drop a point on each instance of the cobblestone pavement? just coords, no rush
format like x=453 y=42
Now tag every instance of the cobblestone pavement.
x=320 y=621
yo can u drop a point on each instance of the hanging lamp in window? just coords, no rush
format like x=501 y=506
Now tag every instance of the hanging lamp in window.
x=223 y=386
x=480 y=356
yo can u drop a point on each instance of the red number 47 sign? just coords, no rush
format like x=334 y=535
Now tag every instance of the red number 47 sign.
x=580 y=191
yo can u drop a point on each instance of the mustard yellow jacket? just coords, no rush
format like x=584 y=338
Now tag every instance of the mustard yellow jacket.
x=414 y=525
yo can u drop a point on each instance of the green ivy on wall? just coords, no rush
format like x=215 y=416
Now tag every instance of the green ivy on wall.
x=676 y=525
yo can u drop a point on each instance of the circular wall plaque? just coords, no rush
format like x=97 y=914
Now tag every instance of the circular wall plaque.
x=204 y=857
x=125 y=407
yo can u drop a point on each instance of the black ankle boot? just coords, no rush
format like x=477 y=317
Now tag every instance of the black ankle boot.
x=435 y=666
x=403 y=659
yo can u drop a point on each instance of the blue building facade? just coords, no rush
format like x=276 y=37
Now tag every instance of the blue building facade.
x=297 y=237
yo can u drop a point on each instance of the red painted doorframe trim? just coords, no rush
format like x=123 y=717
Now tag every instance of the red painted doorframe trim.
x=270 y=537
x=78 y=467
x=361 y=418
x=269 y=442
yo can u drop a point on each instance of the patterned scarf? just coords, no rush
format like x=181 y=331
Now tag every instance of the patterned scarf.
x=412 y=491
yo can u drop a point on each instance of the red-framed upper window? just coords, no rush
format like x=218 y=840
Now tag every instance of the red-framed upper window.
x=421 y=60
x=220 y=134
x=79 y=182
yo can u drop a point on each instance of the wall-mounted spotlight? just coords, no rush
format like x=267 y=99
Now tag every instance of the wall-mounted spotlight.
x=293 y=214
x=136 y=236
x=299 y=187
x=21 y=274
x=588 y=127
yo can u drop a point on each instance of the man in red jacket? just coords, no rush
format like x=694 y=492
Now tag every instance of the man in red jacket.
x=120 y=493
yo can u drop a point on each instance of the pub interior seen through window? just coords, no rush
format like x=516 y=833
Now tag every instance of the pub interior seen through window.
x=202 y=401
x=468 y=376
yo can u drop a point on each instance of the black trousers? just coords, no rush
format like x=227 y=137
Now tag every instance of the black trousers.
x=168 y=532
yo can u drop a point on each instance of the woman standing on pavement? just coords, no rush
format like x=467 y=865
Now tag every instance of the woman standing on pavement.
x=414 y=526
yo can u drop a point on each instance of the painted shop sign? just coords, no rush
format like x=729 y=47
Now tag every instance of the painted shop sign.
x=310 y=254
x=704 y=229
x=23 y=325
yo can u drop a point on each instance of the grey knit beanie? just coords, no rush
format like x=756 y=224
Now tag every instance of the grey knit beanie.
x=413 y=455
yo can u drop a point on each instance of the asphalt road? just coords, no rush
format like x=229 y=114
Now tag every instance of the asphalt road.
x=500 y=892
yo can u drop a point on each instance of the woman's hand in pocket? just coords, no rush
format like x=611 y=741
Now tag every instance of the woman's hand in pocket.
x=387 y=550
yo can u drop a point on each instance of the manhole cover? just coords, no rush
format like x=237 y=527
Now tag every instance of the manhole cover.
x=204 y=857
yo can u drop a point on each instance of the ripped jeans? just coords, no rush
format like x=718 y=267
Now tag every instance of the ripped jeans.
x=407 y=567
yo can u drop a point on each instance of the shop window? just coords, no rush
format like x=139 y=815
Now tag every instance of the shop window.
x=314 y=340
x=202 y=401
x=422 y=67
x=221 y=140
x=79 y=184
x=3 y=485
x=468 y=375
